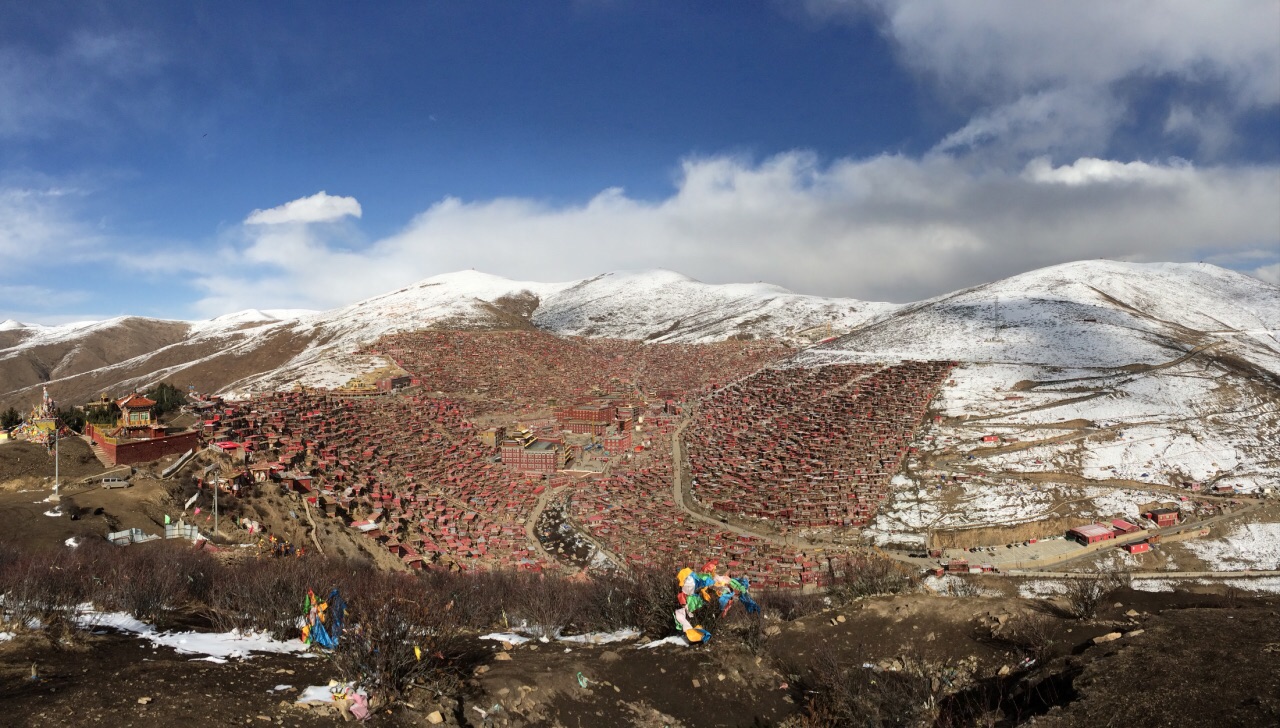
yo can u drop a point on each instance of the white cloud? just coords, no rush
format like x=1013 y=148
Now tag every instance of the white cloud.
x=1087 y=170
x=888 y=227
x=1050 y=75
x=1268 y=273
x=320 y=207
x=35 y=222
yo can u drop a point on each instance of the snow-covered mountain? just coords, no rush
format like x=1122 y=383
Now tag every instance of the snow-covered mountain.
x=254 y=349
x=669 y=307
x=1092 y=313
x=1085 y=314
x=1087 y=374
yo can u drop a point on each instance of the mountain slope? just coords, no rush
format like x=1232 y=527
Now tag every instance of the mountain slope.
x=1092 y=313
x=1083 y=314
x=254 y=350
x=664 y=306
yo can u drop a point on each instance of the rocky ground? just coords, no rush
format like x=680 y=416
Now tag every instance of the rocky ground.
x=1146 y=660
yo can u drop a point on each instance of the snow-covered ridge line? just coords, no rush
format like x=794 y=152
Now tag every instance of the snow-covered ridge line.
x=1084 y=314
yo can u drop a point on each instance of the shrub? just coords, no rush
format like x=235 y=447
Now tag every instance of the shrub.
x=396 y=637
x=544 y=605
x=1033 y=634
x=840 y=693
x=1085 y=595
x=789 y=604
x=869 y=575
x=141 y=581
x=262 y=595
x=43 y=590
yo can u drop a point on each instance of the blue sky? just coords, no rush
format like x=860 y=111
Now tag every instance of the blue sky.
x=886 y=149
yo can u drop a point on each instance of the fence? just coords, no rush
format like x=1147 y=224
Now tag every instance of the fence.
x=182 y=530
x=133 y=535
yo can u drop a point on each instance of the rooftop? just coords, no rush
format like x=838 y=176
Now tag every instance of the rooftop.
x=1091 y=530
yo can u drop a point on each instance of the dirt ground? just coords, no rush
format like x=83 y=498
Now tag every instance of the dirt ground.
x=85 y=510
x=1200 y=659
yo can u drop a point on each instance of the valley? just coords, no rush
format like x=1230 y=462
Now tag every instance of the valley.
x=859 y=465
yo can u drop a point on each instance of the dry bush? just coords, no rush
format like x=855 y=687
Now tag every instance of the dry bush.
x=869 y=575
x=1085 y=596
x=262 y=595
x=959 y=587
x=396 y=636
x=644 y=599
x=836 y=692
x=141 y=581
x=478 y=600
x=544 y=605
x=43 y=590
x=789 y=604
x=1033 y=634
x=198 y=571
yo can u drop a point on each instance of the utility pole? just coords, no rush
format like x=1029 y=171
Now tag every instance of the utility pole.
x=56 y=497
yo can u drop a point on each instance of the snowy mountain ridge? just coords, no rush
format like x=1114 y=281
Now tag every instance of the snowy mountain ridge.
x=1089 y=313
x=1081 y=314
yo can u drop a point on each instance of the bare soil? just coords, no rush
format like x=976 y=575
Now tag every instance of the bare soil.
x=1200 y=659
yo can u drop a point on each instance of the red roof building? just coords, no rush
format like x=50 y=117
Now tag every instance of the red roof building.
x=1123 y=526
x=1091 y=533
x=135 y=411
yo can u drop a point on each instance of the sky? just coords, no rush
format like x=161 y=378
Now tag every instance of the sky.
x=187 y=160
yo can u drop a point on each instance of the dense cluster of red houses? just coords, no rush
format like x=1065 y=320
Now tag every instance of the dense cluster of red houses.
x=408 y=471
x=515 y=371
x=633 y=514
x=808 y=447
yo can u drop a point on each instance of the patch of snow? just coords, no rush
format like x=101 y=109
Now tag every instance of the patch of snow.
x=672 y=640
x=1247 y=546
x=603 y=638
x=1040 y=588
x=1154 y=585
x=222 y=646
x=511 y=637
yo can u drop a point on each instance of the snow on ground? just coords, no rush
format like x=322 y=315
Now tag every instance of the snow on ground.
x=1155 y=585
x=512 y=637
x=216 y=647
x=1040 y=588
x=603 y=638
x=1263 y=584
x=950 y=585
x=1156 y=452
x=678 y=640
x=591 y=638
x=1083 y=314
x=664 y=306
x=1118 y=502
x=1246 y=546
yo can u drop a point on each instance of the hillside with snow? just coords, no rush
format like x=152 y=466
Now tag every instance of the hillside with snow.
x=1079 y=315
x=254 y=350
x=1082 y=314
x=1085 y=390
x=663 y=306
